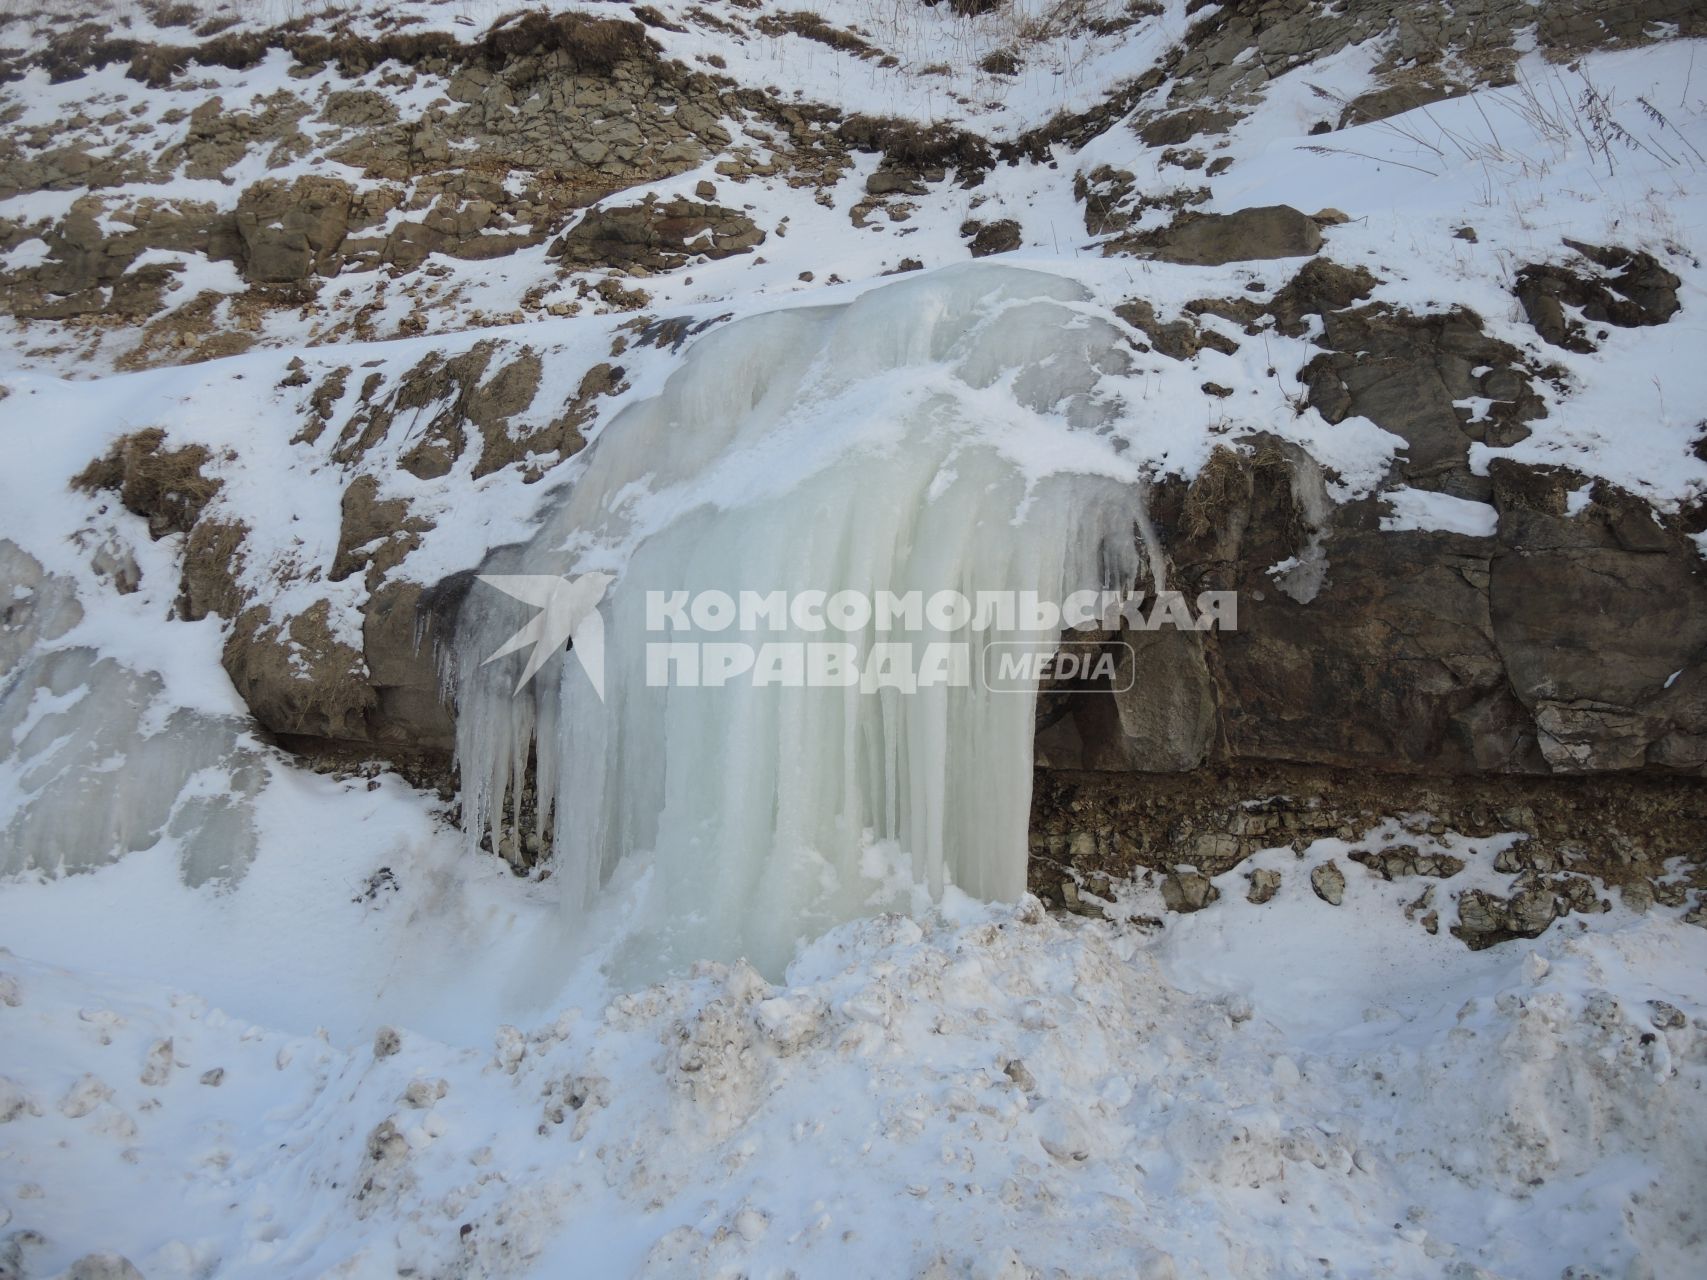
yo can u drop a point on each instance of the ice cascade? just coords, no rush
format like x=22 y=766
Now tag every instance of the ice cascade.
x=94 y=762
x=949 y=432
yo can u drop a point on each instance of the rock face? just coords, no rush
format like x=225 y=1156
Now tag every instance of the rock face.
x=1211 y=239
x=1565 y=643
x=539 y=118
x=1615 y=286
x=1601 y=622
x=657 y=235
x=1569 y=639
x=1409 y=373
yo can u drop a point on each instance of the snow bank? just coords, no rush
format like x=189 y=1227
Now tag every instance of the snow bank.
x=987 y=1092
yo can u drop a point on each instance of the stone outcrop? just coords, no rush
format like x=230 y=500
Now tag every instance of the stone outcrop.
x=657 y=235
x=1564 y=643
x=1611 y=285
x=1569 y=840
x=312 y=680
x=1601 y=622
x=1212 y=239
x=1409 y=374
x=1233 y=50
x=538 y=119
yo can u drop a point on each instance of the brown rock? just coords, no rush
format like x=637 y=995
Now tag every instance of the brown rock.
x=1211 y=239
x=1188 y=891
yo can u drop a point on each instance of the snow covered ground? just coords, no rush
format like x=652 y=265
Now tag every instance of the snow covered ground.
x=1287 y=1089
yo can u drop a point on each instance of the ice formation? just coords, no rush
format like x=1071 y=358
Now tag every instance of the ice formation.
x=92 y=765
x=945 y=433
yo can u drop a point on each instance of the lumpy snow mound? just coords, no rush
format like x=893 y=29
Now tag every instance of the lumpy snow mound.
x=950 y=433
x=984 y=1092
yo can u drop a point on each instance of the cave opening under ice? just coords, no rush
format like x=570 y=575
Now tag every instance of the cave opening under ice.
x=949 y=432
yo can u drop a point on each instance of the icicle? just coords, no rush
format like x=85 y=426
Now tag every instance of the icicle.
x=940 y=434
x=1304 y=580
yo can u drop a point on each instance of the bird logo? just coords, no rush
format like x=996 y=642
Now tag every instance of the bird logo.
x=568 y=614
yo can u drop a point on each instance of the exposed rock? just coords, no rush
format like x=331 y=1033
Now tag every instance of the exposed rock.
x=581 y=106
x=1211 y=239
x=908 y=147
x=1264 y=885
x=1394 y=99
x=1328 y=882
x=1184 y=126
x=894 y=182
x=214 y=559
x=103 y=1266
x=1407 y=373
x=1188 y=891
x=1107 y=826
x=657 y=235
x=14 y=1102
x=561 y=437
x=988 y=238
x=164 y=486
x=157 y=1067
x=217 y=138
x=375 y=533
x=460 y=394
x=1107 y=194
x=298 y=677
x=1665 y=1016
x=1407 y=860
x=1601 y=621
x=289 y=231
x=1181 y=339
x=1485 y=919
x=403 y=628
x=92 y=252
x=1629 y=289
x=1159 y=713
x=1321 y=286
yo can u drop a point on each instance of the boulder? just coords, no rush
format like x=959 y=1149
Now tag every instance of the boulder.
x=656 y=235
x=1211 y=239
x=1328 y=882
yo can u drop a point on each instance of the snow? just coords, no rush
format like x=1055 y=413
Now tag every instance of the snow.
x=1424 y=509
x=234 y=988
x=1248 y=1093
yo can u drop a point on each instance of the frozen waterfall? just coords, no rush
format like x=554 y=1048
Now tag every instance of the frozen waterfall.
x=94 y=762
x=949 y=432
